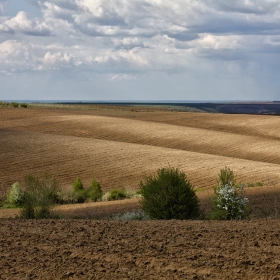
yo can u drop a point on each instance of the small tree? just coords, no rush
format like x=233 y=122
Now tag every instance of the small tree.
x=79 y=192
x=78 y=185
x=39 y=196
x=15 y=195
x=226 y=177
x=169 y=195
x=229 y=200
x=94 y=191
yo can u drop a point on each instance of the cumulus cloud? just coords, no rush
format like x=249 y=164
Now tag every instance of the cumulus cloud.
x=22 y=24
x=259 y=7
x=124 y=35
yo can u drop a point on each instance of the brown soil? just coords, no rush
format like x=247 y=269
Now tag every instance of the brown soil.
x=84 y=249
x=121 y=147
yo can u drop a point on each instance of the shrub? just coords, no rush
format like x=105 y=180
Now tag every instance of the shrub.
x=229 y=203
x=169 y=195
x=15 y=195
x=15 y=104
x=23 y=105
x=94 y=191
x=39 y=196
x=117 y=194
x=229 y=200
x=78 y=185
x=5 y=104
x=79 y=192
x=226 y=177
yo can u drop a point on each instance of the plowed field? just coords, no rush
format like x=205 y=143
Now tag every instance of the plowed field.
x=119 y=147
x=84 y=249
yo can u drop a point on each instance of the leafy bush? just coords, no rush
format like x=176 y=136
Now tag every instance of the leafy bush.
x=229 y=203
x=15 y=195
x=23 y=105
x=94 y=191
x=229 y=200
x=79 y=192
x=169 y=195
x=78 y=185
x=117 y=194
x=39 y=196
x=15 y=104
x=226 y=177
x=4 y=104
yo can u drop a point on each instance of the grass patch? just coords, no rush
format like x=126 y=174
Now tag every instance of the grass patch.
x=258 y=184
x=200 y=190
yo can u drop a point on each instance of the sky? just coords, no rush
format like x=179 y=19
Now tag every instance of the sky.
x=140 y=50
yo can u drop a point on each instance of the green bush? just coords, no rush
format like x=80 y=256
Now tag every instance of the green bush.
x=117 y=194
x=229 y=203
x=39 y=196
x=15 y=195
x=226 y=177
x=5 y=104
x=79 y=192
x=94 y=192
x=78 y=185
x=15 y=104
x=23 y=105
x=229 y=200
x=169 y=195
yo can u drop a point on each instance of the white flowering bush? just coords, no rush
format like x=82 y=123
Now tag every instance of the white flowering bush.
x=15 y=195
x=229 y=202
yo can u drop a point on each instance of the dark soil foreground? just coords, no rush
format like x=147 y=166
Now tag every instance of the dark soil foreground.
x=86 y=249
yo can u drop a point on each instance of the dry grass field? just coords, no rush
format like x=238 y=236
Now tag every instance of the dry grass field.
x=119 y=147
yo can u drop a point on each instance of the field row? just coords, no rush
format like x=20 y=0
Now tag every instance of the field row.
x=122 y=147
x=114 y=163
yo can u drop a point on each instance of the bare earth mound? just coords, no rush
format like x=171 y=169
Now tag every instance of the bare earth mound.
x=83 y=249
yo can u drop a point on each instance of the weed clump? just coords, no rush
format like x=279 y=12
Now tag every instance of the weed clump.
x=169 y=195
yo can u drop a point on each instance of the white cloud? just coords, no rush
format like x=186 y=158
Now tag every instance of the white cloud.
x=22 y=24
x=3 y=4
x=124 y=38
